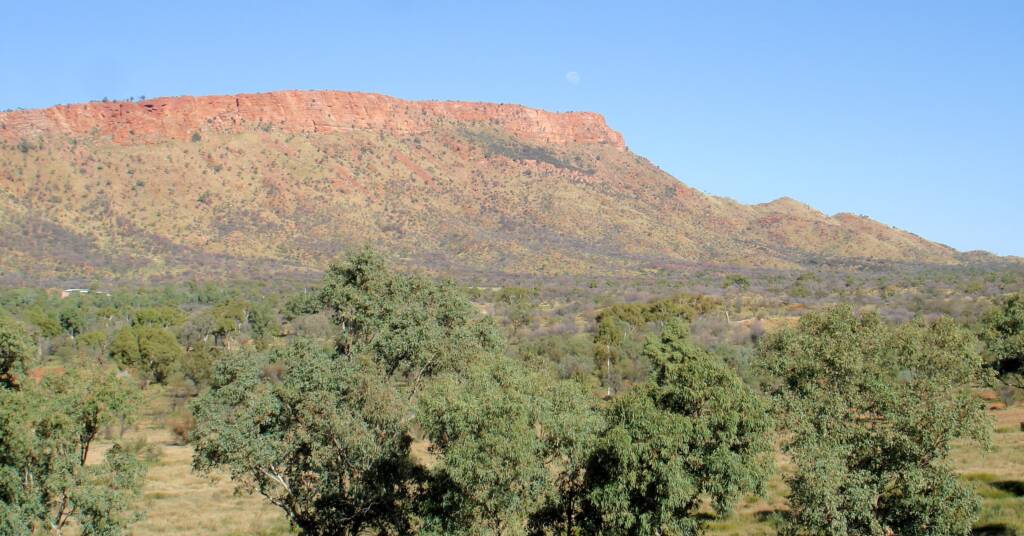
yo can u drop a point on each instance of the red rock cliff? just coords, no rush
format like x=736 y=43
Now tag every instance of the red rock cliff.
x=298 y=111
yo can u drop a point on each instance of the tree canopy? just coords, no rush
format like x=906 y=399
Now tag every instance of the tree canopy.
x=870 y=411
x=323 y=437
x=1003 y=333
x=149 y=348
x=47 y=428
x=511 y=445
x=326 y=434
x=693 y=431
x=14 y=352
x=412 y=326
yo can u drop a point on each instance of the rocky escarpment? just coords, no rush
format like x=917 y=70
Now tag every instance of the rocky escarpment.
x=297 y=111
x=270 y=183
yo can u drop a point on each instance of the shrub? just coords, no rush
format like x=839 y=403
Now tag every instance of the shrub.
x=181 y=423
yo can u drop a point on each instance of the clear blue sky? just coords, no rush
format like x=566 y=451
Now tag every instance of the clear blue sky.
x=909 y=112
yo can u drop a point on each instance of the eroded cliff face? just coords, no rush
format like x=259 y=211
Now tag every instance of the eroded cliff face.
x=179 y=118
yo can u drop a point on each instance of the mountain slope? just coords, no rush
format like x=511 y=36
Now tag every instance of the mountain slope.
x=280 y=182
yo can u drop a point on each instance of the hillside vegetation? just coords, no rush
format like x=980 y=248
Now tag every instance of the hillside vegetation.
x=280 y=183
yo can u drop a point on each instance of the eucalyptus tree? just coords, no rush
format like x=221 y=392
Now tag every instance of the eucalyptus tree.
x=151 y=349
x=511 y=446
x=48 y=428
x=15 y=351
x=72 y=320
x=693 y=431
x=412 y=326
x=608 y=338
x=326 y=434
x=518 y=304
x=869 y=412
x=321 y=436
x=1003 y=334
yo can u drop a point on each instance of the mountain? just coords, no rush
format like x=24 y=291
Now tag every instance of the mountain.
x=275 y=183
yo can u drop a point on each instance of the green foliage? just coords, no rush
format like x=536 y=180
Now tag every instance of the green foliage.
x=695 y=430
x=163 y=316
x=571 y=356
x=151 y=349
x=609 y=333
x=262 y=321
x=738 y=281
x=210 y=293
x=47 y=324
x=227 y=319
x=511 y=447
x=570 y=423
x=46 y=430
x=1003 y=334
x=621 y=330
x=306 y=303
x=326 y=435
x=322 y=436
x=159 y=351
x=682 y=306
x=15 y=352
x=412 y=326
x=92 y=340
x=870 y=411
x=197 y=363
x=124 y=348
x=608 y=344
x=518 y=305
x=72 y=320
x=492 y=474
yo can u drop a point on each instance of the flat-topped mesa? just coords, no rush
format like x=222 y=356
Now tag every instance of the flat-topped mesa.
x=295 y=111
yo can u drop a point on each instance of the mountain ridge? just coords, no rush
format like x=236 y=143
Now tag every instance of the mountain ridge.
x=295 y=111
x=280 y=182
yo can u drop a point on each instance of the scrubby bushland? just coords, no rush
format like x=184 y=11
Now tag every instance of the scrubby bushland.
x=461 y=432
x=327 y=434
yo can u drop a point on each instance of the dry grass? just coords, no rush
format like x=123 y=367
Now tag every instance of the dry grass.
x=177 y=501
x=997 y=474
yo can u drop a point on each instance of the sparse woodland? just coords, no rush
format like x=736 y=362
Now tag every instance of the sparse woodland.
x=379 y=400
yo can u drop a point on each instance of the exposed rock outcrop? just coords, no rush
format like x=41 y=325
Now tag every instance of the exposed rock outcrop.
x=296 y=111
